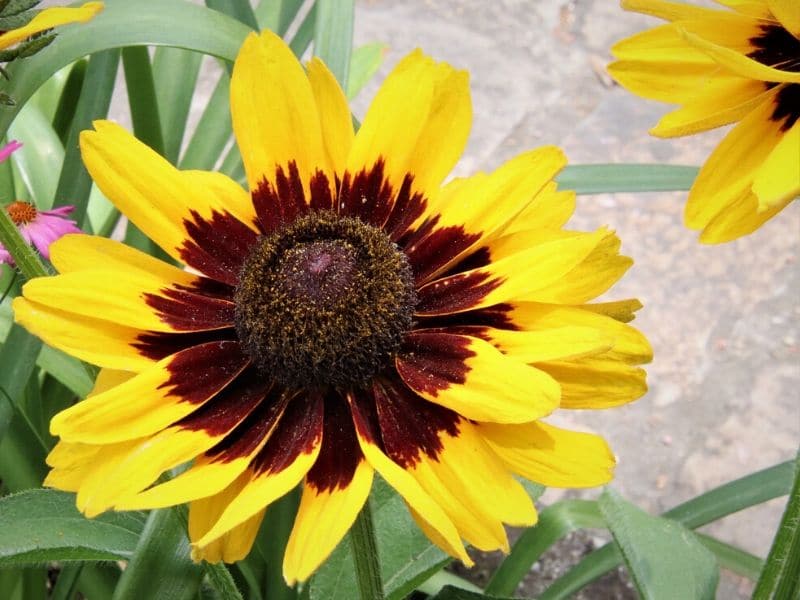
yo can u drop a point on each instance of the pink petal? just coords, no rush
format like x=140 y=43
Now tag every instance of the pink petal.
x=9 y=149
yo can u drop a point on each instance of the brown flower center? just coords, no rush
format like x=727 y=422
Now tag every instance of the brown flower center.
x=21 y=213
x=777 y=48
x=324 y=302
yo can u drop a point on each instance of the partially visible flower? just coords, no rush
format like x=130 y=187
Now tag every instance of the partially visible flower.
x=9 y=149
x=47 y=19
x=725 y=66
x=39 y=228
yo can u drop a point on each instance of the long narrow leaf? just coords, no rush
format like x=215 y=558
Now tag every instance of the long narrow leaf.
x=241 y=11
x=600 y=179
x=74 y=183
x=142 y=97
x=175 y=74
x=333 y=36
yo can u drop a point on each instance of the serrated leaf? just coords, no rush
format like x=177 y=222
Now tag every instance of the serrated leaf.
x=664 y=558
x=44 y=525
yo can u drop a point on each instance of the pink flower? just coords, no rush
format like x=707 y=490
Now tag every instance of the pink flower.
x=39 y=228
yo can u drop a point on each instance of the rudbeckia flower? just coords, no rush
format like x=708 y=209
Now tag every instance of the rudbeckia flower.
x=346 y=316
x=47 y=19
x=735 y=65
x=38 y=228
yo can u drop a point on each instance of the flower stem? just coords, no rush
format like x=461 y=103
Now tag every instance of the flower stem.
x=24 y=256
x=365 y=555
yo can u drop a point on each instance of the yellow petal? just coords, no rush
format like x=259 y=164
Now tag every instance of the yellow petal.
x=474 y=488
x=723 y=100
x=550 y=209
x=473 y=378
x=596 y=382
x=74 y=464
x=619 y=310
x=153 y=399
x=551 y=456
x=732 y=165
x=740 y=216
x=158 y=198
x=738 y=62
x=322 y=520
x=275 y=116
x=336 y=122
x=235 y=545
x=418 y=124
x=49 y=18
x=437 y=524
x=778 y=178
x=558 y=343
x=669 y=11
x=96 y=341
x=788 y=13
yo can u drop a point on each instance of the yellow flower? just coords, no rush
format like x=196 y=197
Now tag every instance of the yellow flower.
x=347 y=315
x=725 y=66
x=49 y=18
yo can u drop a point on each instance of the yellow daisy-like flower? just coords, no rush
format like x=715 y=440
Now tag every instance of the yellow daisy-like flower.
x=47 y=19
x=348 y=315
x=725 y=66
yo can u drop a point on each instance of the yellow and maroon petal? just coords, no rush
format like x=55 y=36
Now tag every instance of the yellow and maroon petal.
x=550 y=455
x=454 y=466
x=155 y=398
x=223 y=463
x=473 y=378
x=192 y=218
x=279 y=466
x=277 y=126
x=49 y=18
x=537 y=265
x=334 y=492
x=139 y=299
x=424 y=438
x=414 y=132
x=788 y=14
x=472 y=210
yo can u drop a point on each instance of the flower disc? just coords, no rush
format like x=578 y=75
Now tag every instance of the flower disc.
x=325 y=301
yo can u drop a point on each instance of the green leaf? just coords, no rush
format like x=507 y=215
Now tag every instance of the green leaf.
x=453 y=593
x=160 y=566
x=241 y=11
x=601 y=179
x=18 y=357
x=68 y=101
x=365 y=62
x=407 y=556
x=66 y=369
x=664 y=559
x=781 y=575
x=142 y=97
x=124 y=23
x=213 y=130
x=555 y=522
x=175 y=72
x=732 y=558
x=715 y=504
x=74 y=183
x=41 y=154
x=333 y=36
x=44 y=525
x=277 y=15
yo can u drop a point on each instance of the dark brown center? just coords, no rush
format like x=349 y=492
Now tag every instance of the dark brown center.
x=777 y=48
x=324 y=302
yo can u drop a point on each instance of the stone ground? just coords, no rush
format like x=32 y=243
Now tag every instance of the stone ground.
x=724 y=321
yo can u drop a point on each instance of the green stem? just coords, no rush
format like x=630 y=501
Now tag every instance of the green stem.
x=781 y=575
x=365 y=554
x=222 y=581
x=26 y=258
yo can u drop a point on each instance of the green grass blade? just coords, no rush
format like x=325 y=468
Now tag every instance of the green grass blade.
x=74 y=183
x=780 y=577
x=333 y=36
x=733 y=558
x=601 y=179
x=213 y=130
x=238 y=9
x=18 y=357
x=68 y=101
x=142 y=97
x=175 y=74
x=555 y=522
x=364 y=63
